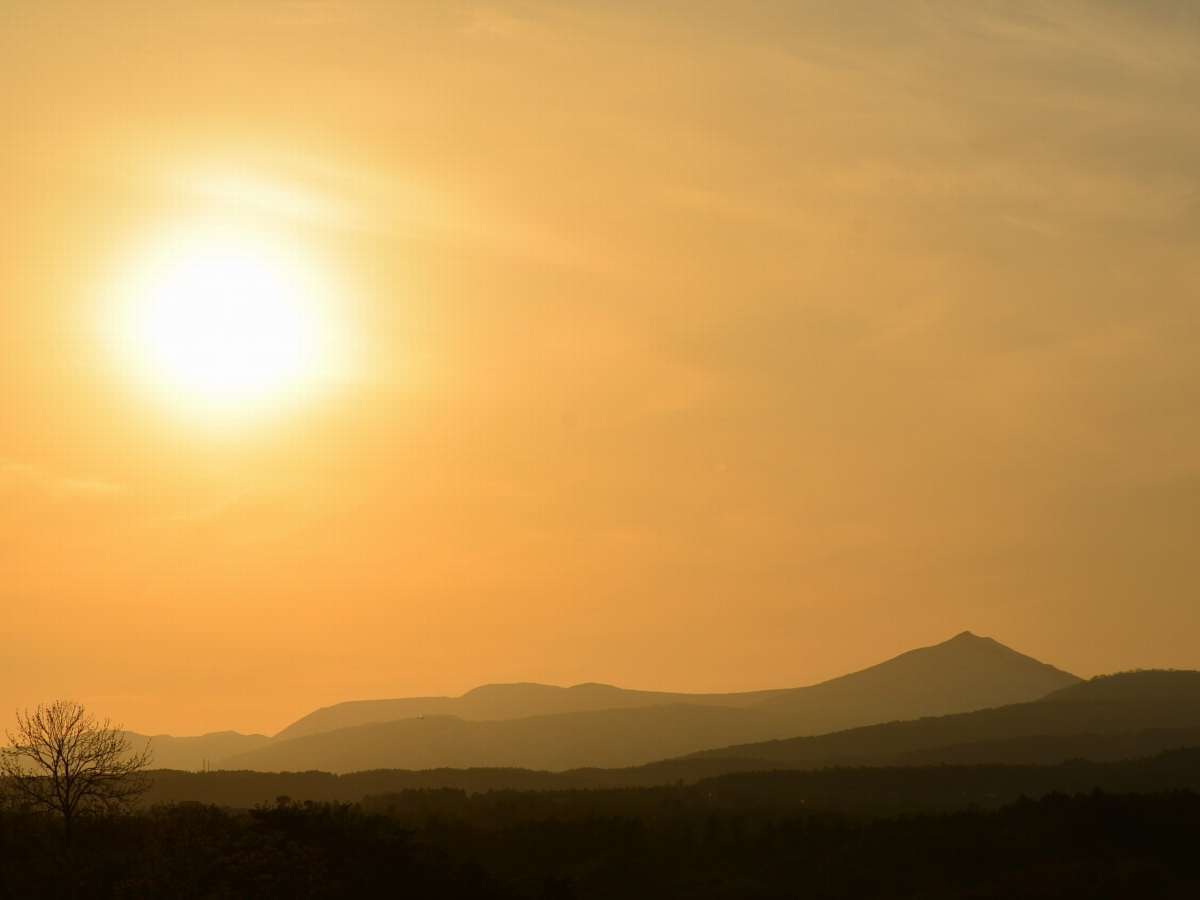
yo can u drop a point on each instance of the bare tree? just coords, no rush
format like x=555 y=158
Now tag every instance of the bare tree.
x=62 y=760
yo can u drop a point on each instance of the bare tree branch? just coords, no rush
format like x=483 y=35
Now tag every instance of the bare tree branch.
x=62 y=760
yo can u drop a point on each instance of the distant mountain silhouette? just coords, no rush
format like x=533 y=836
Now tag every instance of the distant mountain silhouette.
x=611 y=738
x=537 y=726
x=168 y=752
x=1121 y=717
x=494 y=702
x=1128 y=709
x=965 y=673
x=1114 y=718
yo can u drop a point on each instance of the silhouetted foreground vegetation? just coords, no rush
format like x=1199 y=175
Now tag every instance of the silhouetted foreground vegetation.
x=748 y=840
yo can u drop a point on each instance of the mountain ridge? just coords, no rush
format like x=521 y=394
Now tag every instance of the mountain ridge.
x=1121 y=705
x=1126 y=702
x=543 y=726
x=195 y=751
x=494 y=701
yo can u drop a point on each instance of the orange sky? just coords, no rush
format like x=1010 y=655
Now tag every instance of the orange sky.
x=703 y=346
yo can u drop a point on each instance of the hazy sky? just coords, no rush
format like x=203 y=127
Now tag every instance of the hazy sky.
x=696 y=345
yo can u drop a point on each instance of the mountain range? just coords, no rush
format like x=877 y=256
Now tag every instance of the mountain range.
x=1110 y=720
x=596 y=725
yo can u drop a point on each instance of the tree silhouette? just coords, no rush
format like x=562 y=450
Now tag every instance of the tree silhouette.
x=63 y=761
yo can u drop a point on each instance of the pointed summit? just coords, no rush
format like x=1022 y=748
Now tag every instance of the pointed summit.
x=970 y=638
x=960 y=674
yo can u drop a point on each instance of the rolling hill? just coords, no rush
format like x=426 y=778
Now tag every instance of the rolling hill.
x=1130 y=708
x=195 y=752
x=1106 y=720
x=889 y=787
x=495 y=702
x=599 y=725
x=607 y=738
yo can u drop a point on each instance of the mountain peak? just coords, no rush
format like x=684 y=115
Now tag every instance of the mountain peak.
x=970 y=642
x=967 y=671
x=964 y=637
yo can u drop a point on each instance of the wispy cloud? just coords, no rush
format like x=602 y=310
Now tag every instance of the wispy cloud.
x=18 y=477
x=345 y=196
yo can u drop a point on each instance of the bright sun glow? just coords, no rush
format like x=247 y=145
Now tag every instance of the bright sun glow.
x=227 y=323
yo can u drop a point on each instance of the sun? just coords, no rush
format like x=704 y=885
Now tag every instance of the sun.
x=228 y=323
